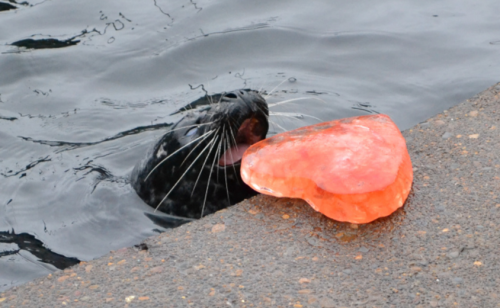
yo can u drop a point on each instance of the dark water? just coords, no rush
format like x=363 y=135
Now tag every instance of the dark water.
x=75 y=74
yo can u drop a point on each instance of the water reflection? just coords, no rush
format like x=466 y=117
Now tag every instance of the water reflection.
x=28 y=242
x=45 y=43
x=6 y=6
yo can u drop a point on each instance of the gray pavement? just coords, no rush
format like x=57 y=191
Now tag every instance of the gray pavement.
x=440 y=250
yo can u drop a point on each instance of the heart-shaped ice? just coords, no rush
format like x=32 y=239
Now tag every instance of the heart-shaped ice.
x=355 y=169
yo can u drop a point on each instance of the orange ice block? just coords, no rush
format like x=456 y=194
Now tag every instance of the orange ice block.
x=355 y=169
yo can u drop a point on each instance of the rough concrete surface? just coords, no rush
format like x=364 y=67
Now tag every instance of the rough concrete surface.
x=440 y=250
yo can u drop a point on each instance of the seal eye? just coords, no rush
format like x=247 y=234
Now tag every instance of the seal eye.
x=192 y=131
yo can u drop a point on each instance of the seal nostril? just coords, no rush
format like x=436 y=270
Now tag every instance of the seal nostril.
x=242 y=93
x=231 y=95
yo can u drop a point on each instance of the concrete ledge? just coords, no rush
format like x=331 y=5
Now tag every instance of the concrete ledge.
x=440 y=250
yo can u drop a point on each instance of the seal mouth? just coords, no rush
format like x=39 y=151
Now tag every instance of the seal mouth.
x=249 y=132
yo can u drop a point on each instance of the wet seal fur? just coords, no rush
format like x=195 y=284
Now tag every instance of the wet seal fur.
x=194 y=169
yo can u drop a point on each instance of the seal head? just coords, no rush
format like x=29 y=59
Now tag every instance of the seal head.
x=194 y=169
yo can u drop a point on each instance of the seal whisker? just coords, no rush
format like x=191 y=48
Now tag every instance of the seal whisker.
x=180 y=178
x=260 y=91
x=232 y=123
x=165 y=159
x=208 y=184
x=279 y=126
x=294 y=99
x=233 y=139
x=192 y=150
x=225 y=172
x=263 y=112
x=209 y=98
x=231 y=153
x=194 y=125
x=293 y=115
x=219 y=149
x=220 y=98
x=269 y=94
x=206 y=158
x=261 y=88
x=232 y=135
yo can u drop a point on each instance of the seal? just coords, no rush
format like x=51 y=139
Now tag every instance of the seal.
x=194 y=169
